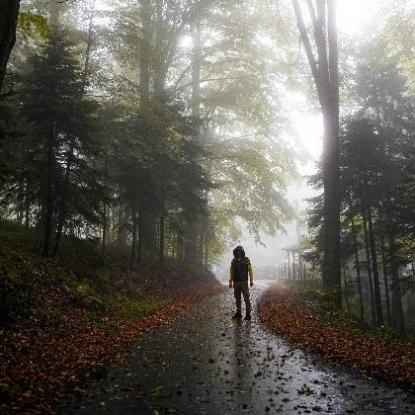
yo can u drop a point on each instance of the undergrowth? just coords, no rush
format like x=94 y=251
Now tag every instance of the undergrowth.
x=320 y=300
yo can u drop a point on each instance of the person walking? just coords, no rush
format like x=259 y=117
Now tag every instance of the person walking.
x=240 y=269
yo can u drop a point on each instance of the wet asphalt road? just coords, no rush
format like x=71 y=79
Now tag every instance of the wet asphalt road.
x=206 y=363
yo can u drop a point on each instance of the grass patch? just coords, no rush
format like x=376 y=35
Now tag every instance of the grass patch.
x=134 y=310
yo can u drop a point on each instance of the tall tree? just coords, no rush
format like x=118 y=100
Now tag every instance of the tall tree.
x=324 y=68
x=63 y=173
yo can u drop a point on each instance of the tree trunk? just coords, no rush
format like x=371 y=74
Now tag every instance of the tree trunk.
x=385 y=269
x=369 y=269
x=104 y=228
x=331 y=227
x=140 y=234
x=9 y=13
x=27 y=205
x=398 y=320
x=196 y=63
x=59 y=232
x=145 y=48
x=89 y=44
x=324 y=68
x=373 y=254
x=397 y=317
x=162 y=232
x=134 y=238
x=357 y=266
x=346 y=287
x=49 y=197
x=122 y=234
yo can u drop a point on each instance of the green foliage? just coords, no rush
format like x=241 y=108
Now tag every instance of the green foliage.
x=131 y=135
x=85 y=294
x=376 y=163
x=134 y=310
x=388 y=333
x=33 y=25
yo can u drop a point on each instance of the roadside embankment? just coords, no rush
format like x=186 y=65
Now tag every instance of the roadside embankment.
x=289 y=314
x=60 y=327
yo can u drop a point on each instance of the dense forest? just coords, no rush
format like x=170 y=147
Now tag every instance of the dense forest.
x=376 y=179
x=149 y=124
x=159 y=128
x=141 y=139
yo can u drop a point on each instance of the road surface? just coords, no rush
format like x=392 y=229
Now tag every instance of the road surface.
x=206 y=363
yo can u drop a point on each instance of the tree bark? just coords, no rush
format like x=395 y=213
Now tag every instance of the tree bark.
x=9 y=13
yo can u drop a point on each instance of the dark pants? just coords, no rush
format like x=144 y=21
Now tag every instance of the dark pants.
x=241 y=287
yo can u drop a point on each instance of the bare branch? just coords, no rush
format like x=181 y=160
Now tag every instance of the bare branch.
x=306 y=42
x=333 y=51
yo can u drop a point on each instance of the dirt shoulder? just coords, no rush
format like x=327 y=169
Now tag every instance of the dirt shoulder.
x=61 y=326
x=43 y=360
x=288 y=314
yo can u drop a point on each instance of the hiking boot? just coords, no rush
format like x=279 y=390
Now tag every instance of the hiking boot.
x=237 y=315
x=248 y=317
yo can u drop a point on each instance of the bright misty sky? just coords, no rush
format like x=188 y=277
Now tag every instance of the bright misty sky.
x=352 y=18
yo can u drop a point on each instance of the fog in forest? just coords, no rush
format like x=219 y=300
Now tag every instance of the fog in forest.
x=141 y=141
x=356 y=20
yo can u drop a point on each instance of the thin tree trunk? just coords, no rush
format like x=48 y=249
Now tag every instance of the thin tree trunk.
x=49 y=206
x=346 y=287
x=105 y=206
x=373 y=254
x=196 y=63
x=369 y=269
x=385 y=270
x=397 y=316
x=140 y=234
x=59 y=231
x=398 y=320
x=145 y=48
x=358 y=274
x=134 y=239
x=104 y=228
x=162 y=232
x=123 y=226
x=89 y=44
x=27 y=206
